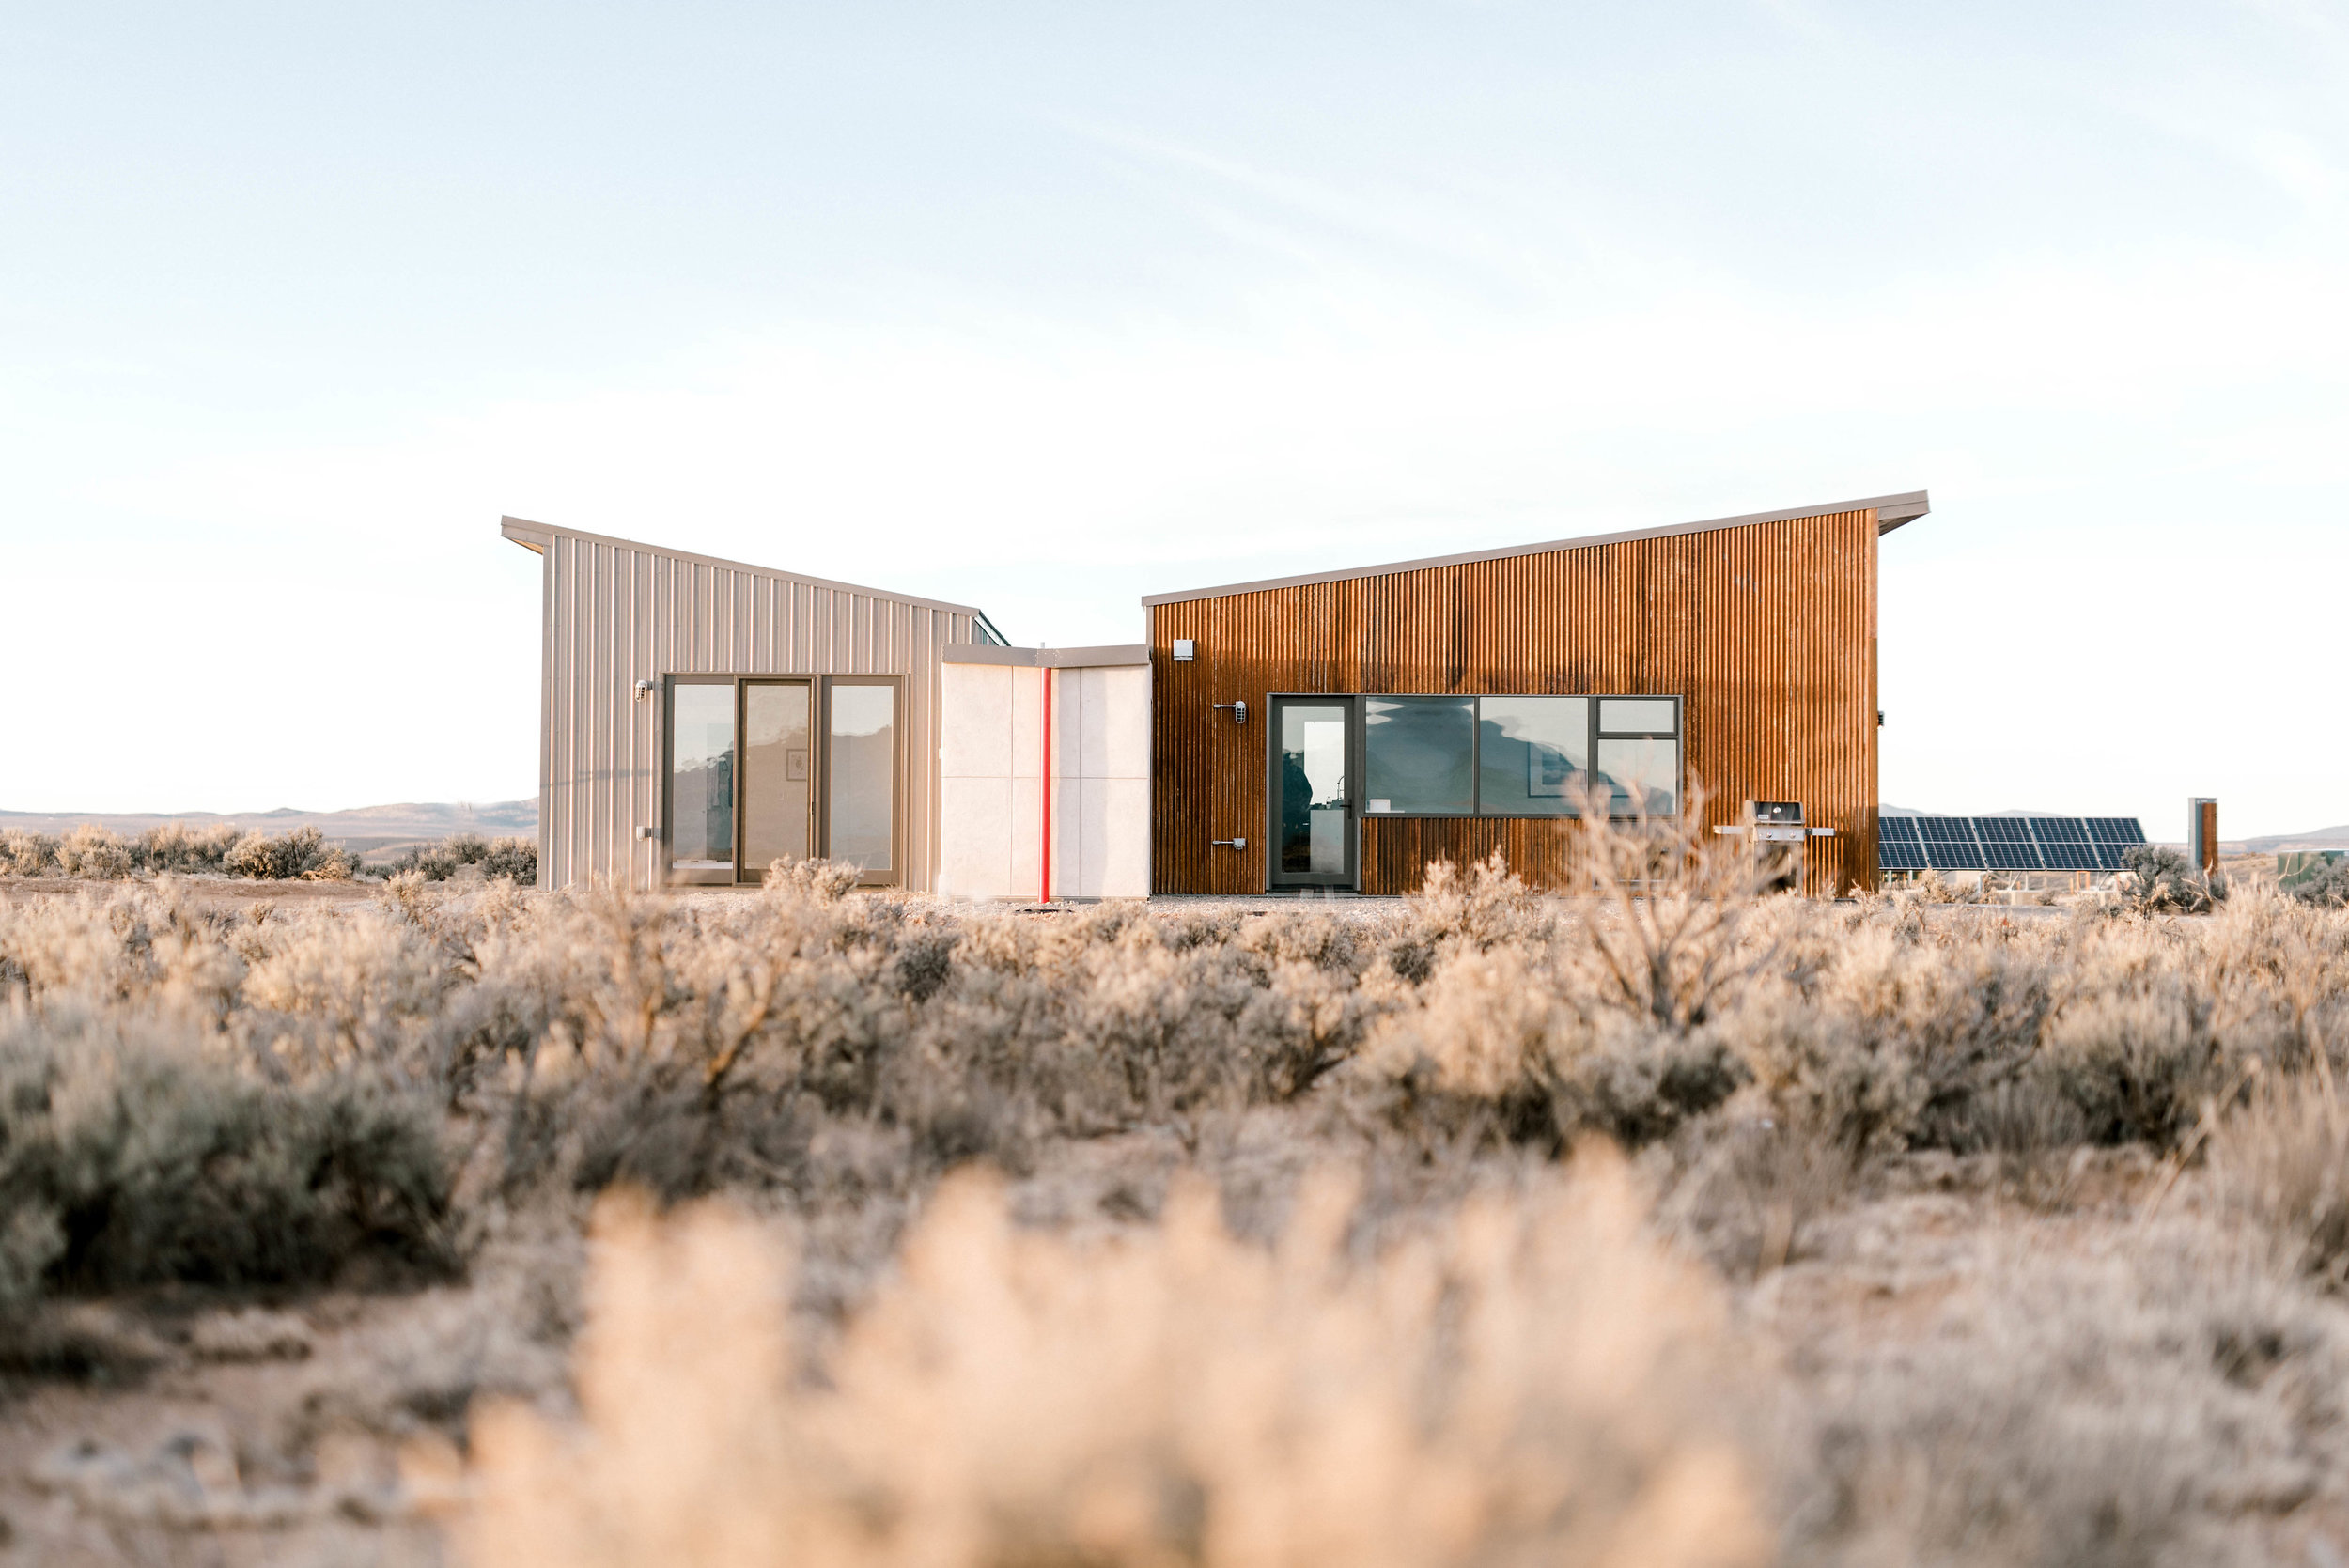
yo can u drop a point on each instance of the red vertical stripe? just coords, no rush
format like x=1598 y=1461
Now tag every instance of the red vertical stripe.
x=1046 y=895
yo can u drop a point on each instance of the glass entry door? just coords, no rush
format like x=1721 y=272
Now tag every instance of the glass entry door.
x=1312 y=790
x=778 y=774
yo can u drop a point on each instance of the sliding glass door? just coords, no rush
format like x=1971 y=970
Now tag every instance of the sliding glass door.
x=778 y=774
x=761 y=769
x=861 y=779
x=701 y=781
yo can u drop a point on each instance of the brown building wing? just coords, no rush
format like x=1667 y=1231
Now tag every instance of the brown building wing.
x=1767 y=628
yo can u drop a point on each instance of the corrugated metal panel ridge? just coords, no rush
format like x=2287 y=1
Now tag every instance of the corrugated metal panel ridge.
x=1767 y=629
x=615 y=613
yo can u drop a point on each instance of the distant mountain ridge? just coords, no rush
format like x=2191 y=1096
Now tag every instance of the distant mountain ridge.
x=363 y=828
x=2319 y=838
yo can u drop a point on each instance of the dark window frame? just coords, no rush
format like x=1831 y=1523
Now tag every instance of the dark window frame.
x=1275 y=877
x=1594 y=734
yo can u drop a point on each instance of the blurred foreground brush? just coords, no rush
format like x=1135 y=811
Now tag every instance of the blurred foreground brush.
x=1539 y=1383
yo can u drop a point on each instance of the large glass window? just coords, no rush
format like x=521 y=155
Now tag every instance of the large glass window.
x=863 y=775
x=1418 y=755
x=701 y=778
x=1533 y=755
x=1516 y=756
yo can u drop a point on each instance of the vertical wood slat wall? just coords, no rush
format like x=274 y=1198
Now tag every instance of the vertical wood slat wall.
x=1766 y=628
x=615 y=613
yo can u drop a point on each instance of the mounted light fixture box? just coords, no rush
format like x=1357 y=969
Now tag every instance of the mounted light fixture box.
x=1185 y=650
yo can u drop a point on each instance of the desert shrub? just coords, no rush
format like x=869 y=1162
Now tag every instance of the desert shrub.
x=134 y=1158
x=516 y=859
x=27 y=854
x=1175 y=1395
x=2159 y=879
x=594 y=1036
x=2144 y=1395
x=171 y=847
x=1747 y=1189
x=2134 y=1061
x=2327 y=889
x=1545 y=1025
x=2283 y=1158
x=299 y=853
x=92 y=852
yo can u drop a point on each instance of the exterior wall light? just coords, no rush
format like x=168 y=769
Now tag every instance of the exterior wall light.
x=645 y=688
x=647 y=832
x=1239 y=711
x=1186 y=650
x=1228 y=843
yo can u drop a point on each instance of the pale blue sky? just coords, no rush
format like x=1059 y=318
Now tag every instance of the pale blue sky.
x=1047 y=308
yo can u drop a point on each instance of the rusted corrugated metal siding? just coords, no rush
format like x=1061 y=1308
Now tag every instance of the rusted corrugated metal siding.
x=1767 y=629
x=615 y=613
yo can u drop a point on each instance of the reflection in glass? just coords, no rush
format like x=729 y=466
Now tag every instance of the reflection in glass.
x=1418 y=753
x=1313 y=789
x=861 y=753
x=1635 y=716
x=775 y=775
x=701 y=777
x=1533 y=755
x=1643 y=775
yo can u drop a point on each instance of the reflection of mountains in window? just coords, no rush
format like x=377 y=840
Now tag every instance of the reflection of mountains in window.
x=1630 y=796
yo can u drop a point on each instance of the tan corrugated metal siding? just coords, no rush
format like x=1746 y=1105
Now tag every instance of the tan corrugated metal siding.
x=1767 y=629
x=615 y=613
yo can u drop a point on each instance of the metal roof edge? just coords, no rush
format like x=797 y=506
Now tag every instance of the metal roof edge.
x=1106 y=656
x=528 y=534
x=1892 y=512
x=535 y=535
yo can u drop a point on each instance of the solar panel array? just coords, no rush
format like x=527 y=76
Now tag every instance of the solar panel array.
x=2004 y=842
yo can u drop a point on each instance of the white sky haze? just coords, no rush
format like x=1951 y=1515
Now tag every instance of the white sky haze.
x=1044 y=307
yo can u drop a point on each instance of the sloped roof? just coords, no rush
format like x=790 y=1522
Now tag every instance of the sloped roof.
x=533 y=537
x=1892 y=512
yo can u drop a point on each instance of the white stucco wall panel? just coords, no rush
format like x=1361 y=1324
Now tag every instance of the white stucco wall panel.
x=991 y=736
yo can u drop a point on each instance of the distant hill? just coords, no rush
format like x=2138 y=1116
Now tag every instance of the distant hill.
x=366 y=828
x=2316 y=838
x=2010 y=811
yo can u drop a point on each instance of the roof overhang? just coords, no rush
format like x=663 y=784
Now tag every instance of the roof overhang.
x=1892 y=512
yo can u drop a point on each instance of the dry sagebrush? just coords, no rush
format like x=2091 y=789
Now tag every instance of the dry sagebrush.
x=93 y=853
x=810 y=1041
x=1061 y=1368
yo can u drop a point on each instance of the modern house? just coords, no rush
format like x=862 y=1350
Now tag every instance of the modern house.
x=1339 y=730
